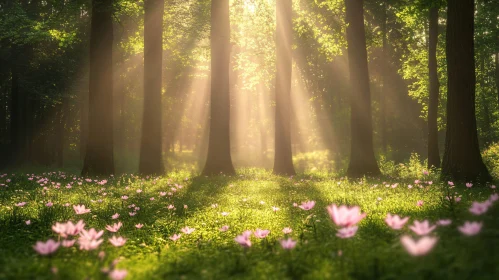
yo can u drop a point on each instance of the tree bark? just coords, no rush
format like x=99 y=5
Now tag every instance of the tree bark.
x=362 y=160
x=151 y=155
x=99 y=158
x=219 y=159
x=433 y=152
x=462 y=159
x=283 y=159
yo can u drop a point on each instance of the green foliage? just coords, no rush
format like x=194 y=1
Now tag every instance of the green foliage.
x=491 y=158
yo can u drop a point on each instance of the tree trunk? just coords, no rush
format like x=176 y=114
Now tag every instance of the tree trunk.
x=362 y=160
x=219 y=158
x=433 y=152
x=497 y=76
x=151 y=155
x=283 y=159
x=462 y=159
x=99 y=158
x=384 y=78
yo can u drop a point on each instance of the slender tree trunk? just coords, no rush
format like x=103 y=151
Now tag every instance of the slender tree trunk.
x=362 y=160
x=99 y=158
x=151 y=155
x=283 y=159
x=83 y=125
x=497 y=76
x=462 y=159
x=433 y=152
x=384 y=74
x=219 y=158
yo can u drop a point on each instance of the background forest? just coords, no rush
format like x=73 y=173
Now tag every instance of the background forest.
x=44 y=75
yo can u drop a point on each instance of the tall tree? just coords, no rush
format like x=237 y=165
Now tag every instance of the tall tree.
x=362 y=160
x=283 y=159
x=433 y=152
x=99 y=158
x=462 y=159
x=219 y=159
x=151 y=145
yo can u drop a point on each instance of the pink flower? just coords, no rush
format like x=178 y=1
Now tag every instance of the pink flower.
x=151 y=199
x=493 y=187
x=347 y=232
x=46 y=248
x=80 y=209
x=139 y=226
x=444 y=222
x=494 y=197
x=74 y=229
x=114 y=227
x=261 y=233
x=28 y=222
x=175 y=237
x=68 y=243
x=132 y=214
x=478 y=208
x=170 y=207
x=243 y=240
x=307 y=205
x=288 y=244
x=117 y=241
x=124 y=197
x=287 y=230
x=419 y=203
x=344 y=216
x=275 y=209
x=91 y=234
x=247 y=233
x=88 y=245
x=20 y=204
x=417 y=182
x=187 y=230
x=115 y=216
x=470 y=228
x=49 y=204
x=426 y=173
x=162 y=193
x=224 y=228
x=139 y=191
x=450 y=183
x=118 y=274
x=395 y=222
x=59 y=229
x=469 y=185
x=418 y=248
x=185 y=206
x=422 y=228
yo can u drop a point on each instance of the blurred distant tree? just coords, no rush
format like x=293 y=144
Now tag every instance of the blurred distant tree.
x=283 y=160
x=362 y=160
x=151 y=156
x=99 y=158
x=219 y=158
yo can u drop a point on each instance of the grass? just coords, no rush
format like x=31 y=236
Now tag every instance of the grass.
x=373 y=253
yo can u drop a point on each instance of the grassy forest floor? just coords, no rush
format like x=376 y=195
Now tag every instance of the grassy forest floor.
x=243 y=202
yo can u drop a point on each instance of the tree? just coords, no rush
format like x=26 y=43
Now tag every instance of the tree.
x=151 y=144
x=99 y=158
x=283 y=160
x=219 y=158
x=462 y=159
x=433 y=152
x=362 y=160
